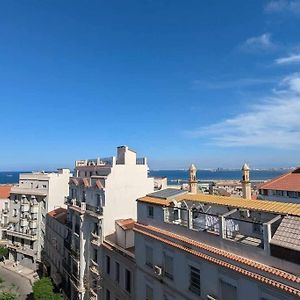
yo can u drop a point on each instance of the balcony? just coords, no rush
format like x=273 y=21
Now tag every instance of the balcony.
x=21 y=235
x=93 y=294
x=24 y=222
x=95 y=239
x=94 y=268
x=21 y=249
x=34 y=209
x=33 y=224
x=24 y=207
x=94 y=211
x=5 y=210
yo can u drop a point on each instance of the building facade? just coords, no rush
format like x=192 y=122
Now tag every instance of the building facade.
x=4 y=208
x=195 y=246
x=36 y=194
x=53 y=255
x=285 y=188
x=101 y=192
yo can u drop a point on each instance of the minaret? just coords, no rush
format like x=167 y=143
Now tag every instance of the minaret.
x=246 y=184
x=193 y=183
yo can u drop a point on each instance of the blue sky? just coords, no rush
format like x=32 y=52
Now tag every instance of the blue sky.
x=210 y=82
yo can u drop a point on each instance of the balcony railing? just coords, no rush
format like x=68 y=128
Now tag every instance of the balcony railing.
x=21 y=234
x=95 y=239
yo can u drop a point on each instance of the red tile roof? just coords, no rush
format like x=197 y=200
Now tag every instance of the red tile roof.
x=5 y=191
x=223 y=253
x=219 y=262
x=286 y=182
x=126 y=224
x=60 y=214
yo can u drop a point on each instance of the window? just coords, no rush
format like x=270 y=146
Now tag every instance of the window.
x=150 y=211
x=168 y=266
x=149 y=256
x=228 y=291
x=107 y=297
x=117 y=272
x=128 y=281
x=107 y=264
x=149 y=293
x=195 y=280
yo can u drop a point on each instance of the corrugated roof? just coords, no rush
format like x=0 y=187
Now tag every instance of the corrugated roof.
x=286 y=182
x=258 y=205
x=287 y=234
x=167 y=193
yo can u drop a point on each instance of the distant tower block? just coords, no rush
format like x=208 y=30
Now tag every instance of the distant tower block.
x=246 y=184
x=193 y=183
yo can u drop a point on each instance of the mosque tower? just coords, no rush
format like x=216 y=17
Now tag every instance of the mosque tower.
x=246 y=184
x=193 y=183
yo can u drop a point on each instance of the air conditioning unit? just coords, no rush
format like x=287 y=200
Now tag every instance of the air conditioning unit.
x=210 y=297
x=158 y=270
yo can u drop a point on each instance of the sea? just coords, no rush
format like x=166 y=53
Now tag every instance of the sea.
x=182 y=175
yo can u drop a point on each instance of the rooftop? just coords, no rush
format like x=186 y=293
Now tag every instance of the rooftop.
x=287 y=234
x=287 y=182
x=126 y=224
x=254 y=205
x=60 y=214
x=5 y=191
x=168 y=193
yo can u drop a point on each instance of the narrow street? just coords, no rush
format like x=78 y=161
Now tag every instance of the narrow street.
x=23 y=284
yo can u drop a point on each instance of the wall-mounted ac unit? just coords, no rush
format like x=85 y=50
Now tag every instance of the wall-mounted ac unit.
x=158 y=270
x=210 y=297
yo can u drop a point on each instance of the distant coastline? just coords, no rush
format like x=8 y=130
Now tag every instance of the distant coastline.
x=182 y=175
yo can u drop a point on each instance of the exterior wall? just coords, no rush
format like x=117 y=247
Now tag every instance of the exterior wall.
x=271 y=196
x=179 y=288
x=56 y=232
x=123 y=186
x=117 y=286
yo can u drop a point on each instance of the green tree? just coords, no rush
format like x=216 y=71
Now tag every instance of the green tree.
x=3 y=252
x=8 y=296
x=43 y=290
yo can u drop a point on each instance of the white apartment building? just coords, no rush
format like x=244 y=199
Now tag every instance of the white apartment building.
x=285 y=188
x=101 y=192
x=36 y=194
x=196 y=246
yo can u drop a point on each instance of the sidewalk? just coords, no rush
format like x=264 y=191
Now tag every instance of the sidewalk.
x=27 y=273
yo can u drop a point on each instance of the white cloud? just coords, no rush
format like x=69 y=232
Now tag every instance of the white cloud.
x=235 y=83
x=273 y=123
x=258 y=43
x=278 y=6
x=294 y=58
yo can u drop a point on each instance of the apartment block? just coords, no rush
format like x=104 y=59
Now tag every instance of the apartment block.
x=35 y=195
x=4 y=208
x=196 y=246
x=102 y=191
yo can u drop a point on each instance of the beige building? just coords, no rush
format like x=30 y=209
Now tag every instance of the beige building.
x=196 y=246
x=102 y=191
x=53 y=255
x=36 y=194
